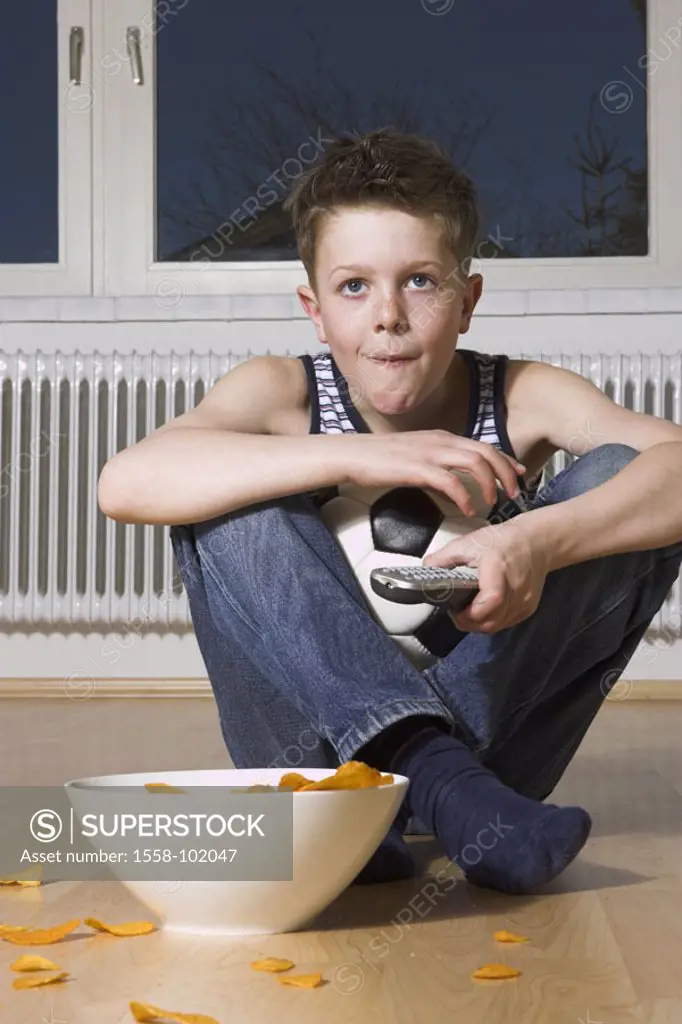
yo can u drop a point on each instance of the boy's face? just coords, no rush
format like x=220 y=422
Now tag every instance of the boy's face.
x=388 y=285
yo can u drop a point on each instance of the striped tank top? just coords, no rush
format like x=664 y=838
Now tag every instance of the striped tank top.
x=333 y=412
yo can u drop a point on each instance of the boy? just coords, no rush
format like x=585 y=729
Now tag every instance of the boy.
x=301 y=672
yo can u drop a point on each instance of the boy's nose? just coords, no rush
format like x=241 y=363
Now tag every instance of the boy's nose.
x=392 y=318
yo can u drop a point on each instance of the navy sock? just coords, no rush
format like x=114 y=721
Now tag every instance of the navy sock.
x=380 y=750
x=392 y=861
x=500 y=839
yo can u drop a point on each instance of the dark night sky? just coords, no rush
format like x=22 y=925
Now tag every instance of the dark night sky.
x=524 y=73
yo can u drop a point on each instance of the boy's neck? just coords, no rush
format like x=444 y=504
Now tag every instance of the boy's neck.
x=447 y=409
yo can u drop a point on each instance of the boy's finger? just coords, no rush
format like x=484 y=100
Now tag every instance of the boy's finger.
x=505 y=469
x=486 y=603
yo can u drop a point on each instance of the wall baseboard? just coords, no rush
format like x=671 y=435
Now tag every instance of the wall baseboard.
x=87 y=689
x=624 y=691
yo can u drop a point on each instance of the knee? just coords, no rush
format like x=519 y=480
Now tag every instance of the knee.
x=596 y=467
x=202 y=547
x=611 y=458
x=247 y=533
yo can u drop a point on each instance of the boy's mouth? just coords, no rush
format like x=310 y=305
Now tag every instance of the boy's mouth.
x=392 y=361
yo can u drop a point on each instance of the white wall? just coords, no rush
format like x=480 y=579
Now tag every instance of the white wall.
x=600 y=320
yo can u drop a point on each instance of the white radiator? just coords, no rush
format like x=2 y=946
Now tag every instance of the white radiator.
x=64 y=564
x=62 y=417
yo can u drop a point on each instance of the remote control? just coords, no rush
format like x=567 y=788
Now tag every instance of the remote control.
x=416 y=584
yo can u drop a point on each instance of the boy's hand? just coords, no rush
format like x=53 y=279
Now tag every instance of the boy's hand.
x=512 y=571
x=427 y=458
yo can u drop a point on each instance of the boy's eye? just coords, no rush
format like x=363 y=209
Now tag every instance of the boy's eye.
x=422 y=277
x=353 y=280
x=357 y=280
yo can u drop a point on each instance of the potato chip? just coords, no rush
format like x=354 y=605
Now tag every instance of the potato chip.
x=31 y=874
x=25 y=878
x=4 y=928
x=359 y=770
x=349 y=767
x=505 y=936
x=125 y=928
x=147 y=1012
x=351 y=775
x=301 y=980
x=272 y=963
x=292 y=780
x=162 y=787
x=33 y=962
x=41 y=936
x=496 y=971
x=37 y=982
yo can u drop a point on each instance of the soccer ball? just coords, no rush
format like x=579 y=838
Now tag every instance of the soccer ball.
x=385 y=526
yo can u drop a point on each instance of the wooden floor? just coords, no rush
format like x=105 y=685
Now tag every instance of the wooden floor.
x=605 y=938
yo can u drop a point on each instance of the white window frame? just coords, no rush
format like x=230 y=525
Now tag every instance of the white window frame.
x=72 y=275
x=129 y=157
x=107 y=184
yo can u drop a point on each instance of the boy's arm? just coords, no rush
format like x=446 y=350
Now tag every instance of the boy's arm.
x=639 y=508
x=230 y=451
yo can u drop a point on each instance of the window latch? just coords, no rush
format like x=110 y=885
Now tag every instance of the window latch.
x=135 y=54
x=76 y=38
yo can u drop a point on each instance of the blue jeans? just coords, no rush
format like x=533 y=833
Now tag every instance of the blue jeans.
x=304 y=676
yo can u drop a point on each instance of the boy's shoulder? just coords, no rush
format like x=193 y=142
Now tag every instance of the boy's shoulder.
x=570 y=412
x=264 y=394
x=523 y=377
x=525 y=421
x=537 y=392
x=292 y=416
x=538 y=387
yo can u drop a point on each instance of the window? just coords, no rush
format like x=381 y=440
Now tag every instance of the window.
x=569 y=120
x=516 y=95
x=45 y=216
x=555 y=111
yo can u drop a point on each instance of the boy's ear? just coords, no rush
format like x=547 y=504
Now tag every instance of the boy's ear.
x=311 y=306
x=472 y=293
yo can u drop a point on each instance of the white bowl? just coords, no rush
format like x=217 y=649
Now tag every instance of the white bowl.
x=335 y=832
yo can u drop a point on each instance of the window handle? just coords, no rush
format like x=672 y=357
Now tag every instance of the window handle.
x=135 y=54
x=75 y=54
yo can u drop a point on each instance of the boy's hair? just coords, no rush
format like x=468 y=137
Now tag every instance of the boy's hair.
x=388 y=168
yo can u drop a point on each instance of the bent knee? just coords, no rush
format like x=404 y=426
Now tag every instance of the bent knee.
x=612 y=457
x=599 y=465
x=250 y=530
